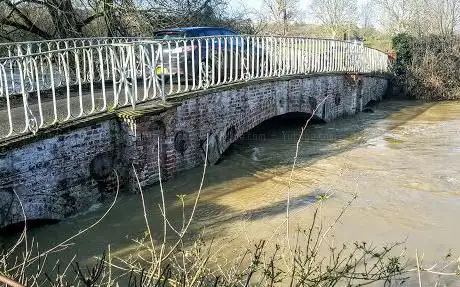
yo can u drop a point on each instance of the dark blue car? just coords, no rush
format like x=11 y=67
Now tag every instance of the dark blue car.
x=208 y=54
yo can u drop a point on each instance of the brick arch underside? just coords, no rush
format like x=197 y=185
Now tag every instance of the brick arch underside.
x=223 y=117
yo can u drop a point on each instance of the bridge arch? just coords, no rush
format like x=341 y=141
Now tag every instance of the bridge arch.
x=217 y=118
x=264 y=130
x=297 y=118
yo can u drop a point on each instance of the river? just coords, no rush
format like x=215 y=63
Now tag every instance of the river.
x=402 y=161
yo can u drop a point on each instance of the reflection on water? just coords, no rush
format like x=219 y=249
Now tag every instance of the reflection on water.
x=403 y=160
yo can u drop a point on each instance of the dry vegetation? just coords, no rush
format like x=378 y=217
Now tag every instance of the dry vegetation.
x=174 y=263
x=428 y=66
x=434 y=71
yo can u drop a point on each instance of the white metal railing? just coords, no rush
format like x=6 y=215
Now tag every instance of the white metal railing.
x=25 y=48
x=70 y=79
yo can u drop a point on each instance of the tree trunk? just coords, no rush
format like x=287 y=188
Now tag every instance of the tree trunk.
x=113 y=18
x=109 y=16
x=64 y=18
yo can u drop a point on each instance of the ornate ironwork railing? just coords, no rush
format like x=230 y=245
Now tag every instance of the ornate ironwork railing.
x=44 y=83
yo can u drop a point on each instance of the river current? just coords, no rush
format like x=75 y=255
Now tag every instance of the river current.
x=402 y=160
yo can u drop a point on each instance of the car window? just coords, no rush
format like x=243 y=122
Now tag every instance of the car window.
x=211 y=32
x=226 y=32
x=196 y=33
x=166 y=35
x=217 y=32
x=206 y=32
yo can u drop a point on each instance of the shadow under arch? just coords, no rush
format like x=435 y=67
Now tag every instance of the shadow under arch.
x=260 y=132
x=371 y=103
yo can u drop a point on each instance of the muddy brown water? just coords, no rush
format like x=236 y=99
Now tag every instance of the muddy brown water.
x=402 y=160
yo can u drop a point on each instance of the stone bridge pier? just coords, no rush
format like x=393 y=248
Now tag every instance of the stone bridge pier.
x=67 y=169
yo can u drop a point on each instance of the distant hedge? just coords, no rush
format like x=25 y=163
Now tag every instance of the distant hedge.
x=428 y=67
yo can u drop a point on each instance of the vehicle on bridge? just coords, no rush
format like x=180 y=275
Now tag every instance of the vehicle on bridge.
x=207 y=55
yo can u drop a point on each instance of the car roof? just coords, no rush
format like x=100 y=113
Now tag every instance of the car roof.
x=186 y=29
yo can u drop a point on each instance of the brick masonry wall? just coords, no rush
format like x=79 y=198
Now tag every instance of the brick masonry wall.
x=67 y=173
x=225 y=116
x=59 y=176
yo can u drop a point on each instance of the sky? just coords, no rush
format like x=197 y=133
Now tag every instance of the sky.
x=256 y=5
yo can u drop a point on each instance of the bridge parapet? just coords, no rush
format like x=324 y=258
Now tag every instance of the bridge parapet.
x=43 y=84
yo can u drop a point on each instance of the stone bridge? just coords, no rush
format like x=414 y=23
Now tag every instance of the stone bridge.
x=69 y=168
x=76 y=113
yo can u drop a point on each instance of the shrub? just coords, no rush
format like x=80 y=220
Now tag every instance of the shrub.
x=428 y=67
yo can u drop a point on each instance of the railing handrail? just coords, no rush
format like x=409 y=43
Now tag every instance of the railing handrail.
x=147 y=37
x=65 y=39
x=162 y=41
x=88 y=79
x=144 y=38
x=152 y=40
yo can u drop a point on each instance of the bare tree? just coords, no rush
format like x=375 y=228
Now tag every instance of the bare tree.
x=165 y=13
x=367 y=14
x=282 y=11
x=49 y=19
x=254 y=18
x=420 y=17
x=335 y=14
x=446 y=15
x=398 y=16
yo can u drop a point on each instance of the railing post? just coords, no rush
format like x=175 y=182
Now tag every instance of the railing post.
x=162 y=90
